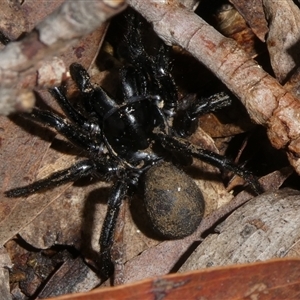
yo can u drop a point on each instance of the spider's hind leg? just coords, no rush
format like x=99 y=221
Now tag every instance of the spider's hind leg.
x=117 y=194
x=180 y=145
x=76 y=171
x=186 y=119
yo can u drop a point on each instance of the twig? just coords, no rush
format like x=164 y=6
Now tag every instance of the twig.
x=62 y=28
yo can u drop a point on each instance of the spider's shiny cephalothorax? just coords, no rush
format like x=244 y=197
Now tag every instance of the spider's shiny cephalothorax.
x=135 y=135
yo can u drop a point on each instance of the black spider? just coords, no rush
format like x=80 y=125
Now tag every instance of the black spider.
x=135 y=135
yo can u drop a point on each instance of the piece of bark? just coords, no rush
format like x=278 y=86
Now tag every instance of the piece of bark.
x=264 y=228
x=72 y=277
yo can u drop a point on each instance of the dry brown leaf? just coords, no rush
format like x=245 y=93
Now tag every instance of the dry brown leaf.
x=233 y=25
x=73 y=276
x=275 y=279
x=283 y=36
x=253 y=13
x=5 y=264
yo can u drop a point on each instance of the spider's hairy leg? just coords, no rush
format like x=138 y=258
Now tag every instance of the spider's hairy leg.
x=76 y=171
x=210 y=104
x=130 y=83
x=81 y=77
x=135 y=51
x=191 y=110
x=155 y=69
x=117 y=194
x=150 y=74
x=180 y=145
x=97 y=102
x=165 y=81
x=71 y=112
x=71 y=132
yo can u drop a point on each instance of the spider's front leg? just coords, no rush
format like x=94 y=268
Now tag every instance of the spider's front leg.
x=176 y=144
x=117 y=194
x=98 y=104
x=70 y=131
x=72 y=113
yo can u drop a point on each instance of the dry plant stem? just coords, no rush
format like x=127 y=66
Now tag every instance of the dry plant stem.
x=266 y=101
x=62 y=28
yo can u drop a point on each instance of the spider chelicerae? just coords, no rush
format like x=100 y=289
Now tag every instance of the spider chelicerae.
x=140 y=134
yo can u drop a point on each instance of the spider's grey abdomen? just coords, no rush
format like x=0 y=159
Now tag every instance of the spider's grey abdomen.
x=173 y=201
